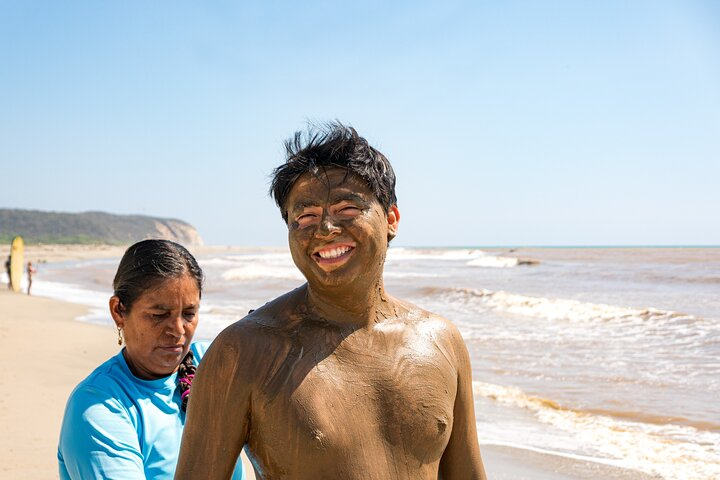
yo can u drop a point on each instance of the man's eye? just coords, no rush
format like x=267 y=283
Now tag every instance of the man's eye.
x=189 y=316
x=160 y=316
x=350 y=210
x=306 y=218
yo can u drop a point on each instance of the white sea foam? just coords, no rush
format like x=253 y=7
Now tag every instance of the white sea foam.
x=258 y=271
x=71 y=293
x=471 y=257
x=671 y=451
x=387 y=274
x=216 y=262
x=492 y=261
x=211 y=324
x=68 y=292
x=404 y=254
x=564 y=309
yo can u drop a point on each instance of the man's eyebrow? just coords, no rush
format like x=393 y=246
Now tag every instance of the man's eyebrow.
x=349 y=197
x=302 y=204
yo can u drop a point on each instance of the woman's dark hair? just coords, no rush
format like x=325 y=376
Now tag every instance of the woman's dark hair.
x=148 y=263
x=333 y=145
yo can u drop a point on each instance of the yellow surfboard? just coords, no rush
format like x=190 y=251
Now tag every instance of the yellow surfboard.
x=16 y=262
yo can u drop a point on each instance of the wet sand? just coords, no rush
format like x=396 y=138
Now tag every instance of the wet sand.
x=45 y=352
x=507 y=463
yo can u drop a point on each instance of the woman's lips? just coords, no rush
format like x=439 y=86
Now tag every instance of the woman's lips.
x=173 y=348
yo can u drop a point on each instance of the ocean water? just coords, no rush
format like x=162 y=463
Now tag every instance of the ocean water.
x=610 y=355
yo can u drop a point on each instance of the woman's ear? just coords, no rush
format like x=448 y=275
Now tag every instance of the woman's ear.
x=117 y=310
x=393 y=219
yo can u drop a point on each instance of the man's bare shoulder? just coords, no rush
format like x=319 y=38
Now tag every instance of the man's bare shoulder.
x=249 y=350
x=431 y=325
x=422 y=318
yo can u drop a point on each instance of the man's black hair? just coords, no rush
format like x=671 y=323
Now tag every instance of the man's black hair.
x=333 y=145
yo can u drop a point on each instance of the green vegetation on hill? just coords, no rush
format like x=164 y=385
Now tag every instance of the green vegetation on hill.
x=91 y=228
x=56 y=239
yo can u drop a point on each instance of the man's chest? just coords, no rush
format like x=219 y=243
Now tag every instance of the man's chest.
x=361 y=400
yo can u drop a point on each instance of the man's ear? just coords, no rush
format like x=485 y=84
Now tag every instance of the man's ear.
x=117 y=310
x=393 y=219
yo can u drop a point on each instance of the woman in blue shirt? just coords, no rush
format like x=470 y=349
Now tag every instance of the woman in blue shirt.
x=125 y=420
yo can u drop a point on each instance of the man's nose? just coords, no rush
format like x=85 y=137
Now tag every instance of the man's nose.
x=327 y=227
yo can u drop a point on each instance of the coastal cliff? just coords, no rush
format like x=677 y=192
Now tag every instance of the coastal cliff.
x=92 y=227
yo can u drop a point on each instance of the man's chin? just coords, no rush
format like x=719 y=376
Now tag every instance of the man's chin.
x=336 y=278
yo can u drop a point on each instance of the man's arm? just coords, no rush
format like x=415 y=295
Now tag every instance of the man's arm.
x=218 y=412
x=461 y=459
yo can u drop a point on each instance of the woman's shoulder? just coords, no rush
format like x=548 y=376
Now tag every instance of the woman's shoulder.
x=107 y=382
x=98 y=404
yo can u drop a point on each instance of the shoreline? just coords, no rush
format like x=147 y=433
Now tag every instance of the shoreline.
x=514 y=463
x=54 y=253
x=65 y=350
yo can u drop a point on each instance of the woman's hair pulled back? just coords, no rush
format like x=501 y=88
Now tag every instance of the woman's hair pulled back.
x=148 y=263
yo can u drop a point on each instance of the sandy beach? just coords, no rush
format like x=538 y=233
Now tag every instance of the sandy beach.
x=45 y=352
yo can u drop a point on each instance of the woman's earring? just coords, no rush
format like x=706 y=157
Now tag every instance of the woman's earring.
x=119 y=336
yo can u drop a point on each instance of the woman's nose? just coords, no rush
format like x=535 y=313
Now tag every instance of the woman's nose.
x=176 y=326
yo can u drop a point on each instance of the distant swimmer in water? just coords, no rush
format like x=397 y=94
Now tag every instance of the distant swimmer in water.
x=336 y=379
x=30 y=272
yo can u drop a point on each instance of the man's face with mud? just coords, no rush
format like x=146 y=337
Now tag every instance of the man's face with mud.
x=337 y=230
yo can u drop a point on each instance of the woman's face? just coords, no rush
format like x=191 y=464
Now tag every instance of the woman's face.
x=159 y=326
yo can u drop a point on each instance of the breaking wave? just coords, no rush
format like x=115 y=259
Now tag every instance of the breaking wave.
x=555 y=309
x=668 y=450
x=470 y=257
x=256 y=271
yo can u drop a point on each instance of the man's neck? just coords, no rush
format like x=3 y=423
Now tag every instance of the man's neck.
x=350 y=307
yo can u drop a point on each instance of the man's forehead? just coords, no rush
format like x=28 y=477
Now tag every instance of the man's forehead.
x=333 y=176
x=331 y=184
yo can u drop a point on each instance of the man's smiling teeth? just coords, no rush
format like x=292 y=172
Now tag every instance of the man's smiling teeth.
x=334 y=253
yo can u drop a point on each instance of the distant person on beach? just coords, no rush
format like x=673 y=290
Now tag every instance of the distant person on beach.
x=125 y=420
x=7 y=270
x=30 y=272
x=336 y=379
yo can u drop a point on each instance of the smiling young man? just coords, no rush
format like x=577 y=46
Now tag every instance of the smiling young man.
x=335 y=379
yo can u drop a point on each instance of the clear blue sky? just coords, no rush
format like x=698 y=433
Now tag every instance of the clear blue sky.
x=507 y=122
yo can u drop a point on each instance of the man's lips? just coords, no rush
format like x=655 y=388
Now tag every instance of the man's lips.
x=334 y=253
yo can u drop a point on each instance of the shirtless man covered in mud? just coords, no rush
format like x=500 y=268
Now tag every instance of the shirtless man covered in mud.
x=335 y=379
